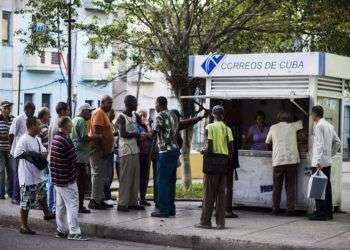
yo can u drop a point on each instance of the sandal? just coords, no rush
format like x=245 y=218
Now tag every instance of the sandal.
x=27 y=231
x=77 y=237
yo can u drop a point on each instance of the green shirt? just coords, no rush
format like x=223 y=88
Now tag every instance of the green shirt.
x=79 y=137
x=220 y=134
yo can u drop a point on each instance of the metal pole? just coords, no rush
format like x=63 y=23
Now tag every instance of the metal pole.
x=19 y=91
x=138 y=84
x=69 y=90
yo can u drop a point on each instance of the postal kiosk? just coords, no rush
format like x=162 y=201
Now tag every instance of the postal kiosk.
x=247 y=83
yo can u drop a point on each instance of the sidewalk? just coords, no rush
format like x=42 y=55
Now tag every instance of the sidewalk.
x=252 y=230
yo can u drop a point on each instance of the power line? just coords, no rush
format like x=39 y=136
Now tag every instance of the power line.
x=38 y=87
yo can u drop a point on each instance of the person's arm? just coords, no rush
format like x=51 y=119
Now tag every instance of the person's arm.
x=318 y=146
x=268 y=137
x=336 y=143
x=12 y=131
x=209 y=143
x=122 y=129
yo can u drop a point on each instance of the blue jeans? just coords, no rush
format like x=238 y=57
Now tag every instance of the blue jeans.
x=15 y=182
x=166 y=181
x=6 y=185
x=51 y=193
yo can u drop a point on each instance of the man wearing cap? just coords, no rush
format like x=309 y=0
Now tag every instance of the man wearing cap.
x=17 y=129
x=81 y=141
x=5 y=167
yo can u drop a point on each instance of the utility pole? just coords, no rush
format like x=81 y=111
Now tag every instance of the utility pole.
x=138 y=83
x=20 y=69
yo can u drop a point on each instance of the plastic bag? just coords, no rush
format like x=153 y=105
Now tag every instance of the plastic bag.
x=317 y=186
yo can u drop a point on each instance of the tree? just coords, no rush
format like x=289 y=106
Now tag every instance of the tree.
x=161 y=34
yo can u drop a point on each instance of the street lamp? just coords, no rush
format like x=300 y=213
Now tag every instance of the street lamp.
x=20 y=69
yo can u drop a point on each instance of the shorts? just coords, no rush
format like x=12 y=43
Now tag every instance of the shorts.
x=31 y=195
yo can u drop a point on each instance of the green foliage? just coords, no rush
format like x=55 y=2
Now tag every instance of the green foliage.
x=194 y=193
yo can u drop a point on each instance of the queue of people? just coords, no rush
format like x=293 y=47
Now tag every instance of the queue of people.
x=47 y=163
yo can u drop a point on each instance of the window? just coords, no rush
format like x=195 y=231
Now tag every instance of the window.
x=6 y=75
x=105 y=65
x=42 y=57
x=46 y=100
x=55 y=58
x=90 y=102
x=28 y=97
x=331 y=108
x=6 y=25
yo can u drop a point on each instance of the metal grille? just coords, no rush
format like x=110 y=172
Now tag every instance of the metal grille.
x=330 y=84
x=260 y=86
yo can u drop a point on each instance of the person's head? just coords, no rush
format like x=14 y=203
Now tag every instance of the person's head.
x=65 y=125
x=161 y=104
x=130 y=102
x=33 y=125
x=218 y=112
x=111 y=115
x=85 y=111
x=283 y=116
x=62 y=109
x=260 y=118
x=143 y=115
x=6 y=108
x=106 y=103
x=317 y=113
x=44 y=115
x=29 y=109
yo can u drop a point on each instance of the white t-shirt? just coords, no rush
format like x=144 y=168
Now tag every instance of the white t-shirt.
x=28 y=173
x=17 y=129
x=284 y=143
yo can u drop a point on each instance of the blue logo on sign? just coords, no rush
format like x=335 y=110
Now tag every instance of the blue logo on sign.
x=40 y=27
x=211 y=62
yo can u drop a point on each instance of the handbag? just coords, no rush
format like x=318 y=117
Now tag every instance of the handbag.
x=37 y=159
x=216 y=164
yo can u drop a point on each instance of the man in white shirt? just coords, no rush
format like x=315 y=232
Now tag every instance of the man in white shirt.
x=17 y=129
x=32 y=186
x=285 y=157
x=325 y=145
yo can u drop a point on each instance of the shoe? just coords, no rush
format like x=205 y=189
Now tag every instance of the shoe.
x=122 y=209
x=84 y=210
x=159 y=215
x=58 y=234
x=203 y=226
x=276 y=211
x=94 y=205
x=106 y=205
x=77 y=237
x=50 y=216
x=231 y=215
x=2 y=198
x=145 y=203
x=137 y=207
x=317 y=217
x=14 y=202
x=27 y=231
x=330 y=217
x=220 y=227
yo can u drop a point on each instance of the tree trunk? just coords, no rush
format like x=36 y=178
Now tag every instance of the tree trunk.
x=185 y=158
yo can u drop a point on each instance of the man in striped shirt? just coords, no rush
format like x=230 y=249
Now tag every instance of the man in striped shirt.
x=63 y=166
x=5 y=167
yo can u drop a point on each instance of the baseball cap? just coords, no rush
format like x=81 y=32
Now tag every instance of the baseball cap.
x=86 y=106
x=6 y=104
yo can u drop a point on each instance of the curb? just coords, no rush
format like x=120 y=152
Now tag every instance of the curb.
x=148 y=237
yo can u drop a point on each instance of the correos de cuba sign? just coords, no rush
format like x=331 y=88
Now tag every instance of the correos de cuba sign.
x=274 y=64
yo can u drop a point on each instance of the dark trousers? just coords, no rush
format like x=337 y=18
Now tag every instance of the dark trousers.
x=109 y=177
x=288 y=174
x=15 y=189
x=166 y=181
x=6 y=178
x=144 y=175
x=214 y=192
x=154 y=160
x=325 y=207
x=82 y=180
x=229 y=191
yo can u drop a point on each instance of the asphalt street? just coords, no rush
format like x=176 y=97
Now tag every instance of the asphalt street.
x=10 y=239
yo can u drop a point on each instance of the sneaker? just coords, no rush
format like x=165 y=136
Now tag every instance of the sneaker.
x=317 y=217
x=122 y=209
x=159 y=215
x=27 y=231
x=60 y=235
x=231 y=215
x=276 y=211
x=203 y=226
x=106 y=205
x=50 y=216
x=84 y=210
x=94 y=205
x=2 y=198
x=77 y=237
x=137 y=207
